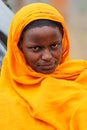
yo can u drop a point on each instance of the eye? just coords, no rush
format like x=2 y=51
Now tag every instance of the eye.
x=55 y=45
x=36 y=48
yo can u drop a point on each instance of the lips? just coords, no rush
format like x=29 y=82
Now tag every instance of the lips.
x=47 y=67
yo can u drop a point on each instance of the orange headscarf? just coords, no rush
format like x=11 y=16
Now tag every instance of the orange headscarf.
x=42 y=102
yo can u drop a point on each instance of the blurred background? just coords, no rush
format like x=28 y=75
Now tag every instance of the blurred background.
x=74 y=12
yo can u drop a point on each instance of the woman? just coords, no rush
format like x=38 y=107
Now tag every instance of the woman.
x=41 y=89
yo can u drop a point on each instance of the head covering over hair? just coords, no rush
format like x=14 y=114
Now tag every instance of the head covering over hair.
x=36 y=101
x=34 y=12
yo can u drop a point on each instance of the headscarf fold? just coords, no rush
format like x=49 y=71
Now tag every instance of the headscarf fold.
x=51 y=98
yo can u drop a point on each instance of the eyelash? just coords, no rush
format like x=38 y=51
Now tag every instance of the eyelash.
x=55 y=45
x=39 y=48
x=36 y=48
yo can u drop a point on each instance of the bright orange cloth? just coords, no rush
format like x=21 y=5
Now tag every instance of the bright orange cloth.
x=34 y=101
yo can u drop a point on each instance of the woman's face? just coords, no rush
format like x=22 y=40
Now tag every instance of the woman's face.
x=42 y=48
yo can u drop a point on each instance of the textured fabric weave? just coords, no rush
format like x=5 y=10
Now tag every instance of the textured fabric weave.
x=35 y=101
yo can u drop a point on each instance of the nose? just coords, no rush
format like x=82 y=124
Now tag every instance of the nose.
x=47 y=56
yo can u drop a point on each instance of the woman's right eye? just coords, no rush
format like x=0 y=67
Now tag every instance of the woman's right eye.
x=35 y=49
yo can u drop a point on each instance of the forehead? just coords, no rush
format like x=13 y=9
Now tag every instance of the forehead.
x=43 y=32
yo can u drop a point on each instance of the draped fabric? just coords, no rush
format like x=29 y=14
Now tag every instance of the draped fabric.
x=35 y=101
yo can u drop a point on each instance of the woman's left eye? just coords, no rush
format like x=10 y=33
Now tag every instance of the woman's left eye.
x=54 y=45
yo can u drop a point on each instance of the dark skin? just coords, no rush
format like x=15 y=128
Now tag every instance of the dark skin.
x=42 y=48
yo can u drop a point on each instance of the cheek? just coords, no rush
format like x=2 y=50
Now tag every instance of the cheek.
x=31 y=58
x=57 y=54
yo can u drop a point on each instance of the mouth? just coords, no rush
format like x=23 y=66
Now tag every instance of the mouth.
x=47 y=66
x=46 y=69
